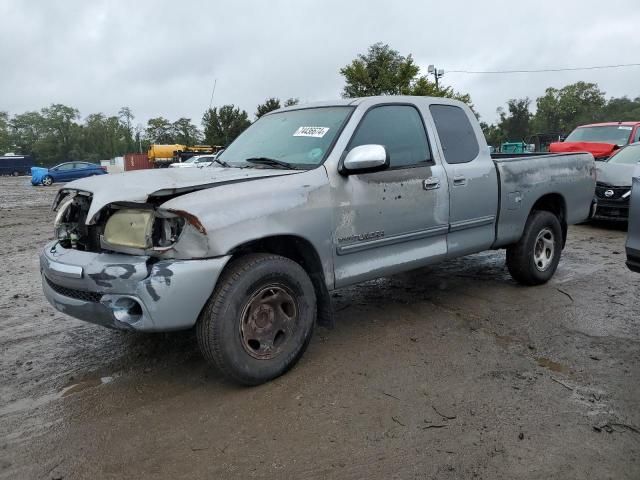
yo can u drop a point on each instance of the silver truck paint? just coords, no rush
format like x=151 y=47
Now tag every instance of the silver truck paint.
x=633 y=233
x=358 y=227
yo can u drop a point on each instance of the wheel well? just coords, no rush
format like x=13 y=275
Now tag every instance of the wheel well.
x=554 y=203
x=302 y=252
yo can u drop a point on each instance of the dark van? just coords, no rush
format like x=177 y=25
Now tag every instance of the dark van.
x=16 y=165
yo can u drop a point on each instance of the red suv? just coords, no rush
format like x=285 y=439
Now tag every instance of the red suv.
x=599 y=139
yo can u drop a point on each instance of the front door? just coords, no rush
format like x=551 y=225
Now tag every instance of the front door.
x=395 y=219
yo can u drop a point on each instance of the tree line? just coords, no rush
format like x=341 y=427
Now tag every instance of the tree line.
x=58 y=133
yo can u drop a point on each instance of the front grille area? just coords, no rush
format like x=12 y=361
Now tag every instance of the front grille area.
x=617 y=193
x=619 y=211
x=73 y=293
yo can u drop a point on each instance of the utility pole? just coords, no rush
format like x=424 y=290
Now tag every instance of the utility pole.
x=212 y=92
x=437 y=74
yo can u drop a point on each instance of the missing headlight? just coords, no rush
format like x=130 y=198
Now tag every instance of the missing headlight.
x=166 y=231
x=69 y=226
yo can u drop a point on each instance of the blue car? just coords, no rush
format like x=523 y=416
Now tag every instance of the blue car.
x=65 y=172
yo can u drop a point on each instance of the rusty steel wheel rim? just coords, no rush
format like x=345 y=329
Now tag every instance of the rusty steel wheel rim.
x=268 y=321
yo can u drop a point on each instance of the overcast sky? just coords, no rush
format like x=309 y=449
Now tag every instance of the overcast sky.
x=161 y=57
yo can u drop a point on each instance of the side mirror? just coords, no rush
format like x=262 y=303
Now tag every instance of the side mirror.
x=364 y=159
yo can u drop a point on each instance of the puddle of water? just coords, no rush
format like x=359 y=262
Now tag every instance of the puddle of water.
x=506 y=340
x=551 y=365
x=32 y=403
x=80 y=386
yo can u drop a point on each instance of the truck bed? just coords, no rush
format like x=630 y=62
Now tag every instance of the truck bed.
x=525 y=179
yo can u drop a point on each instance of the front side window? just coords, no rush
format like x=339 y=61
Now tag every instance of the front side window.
x=399 y=129
x=297 y=138
x=456 y=134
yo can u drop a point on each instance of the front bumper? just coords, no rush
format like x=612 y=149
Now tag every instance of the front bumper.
x=127 y=291
x=612 y=210
x=633 y=259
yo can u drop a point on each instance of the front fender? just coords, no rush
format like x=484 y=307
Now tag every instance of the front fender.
x=232 y=215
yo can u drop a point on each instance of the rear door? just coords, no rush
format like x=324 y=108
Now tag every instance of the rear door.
x=394 y=219
x=64 y=172
x=83 y=169
x=472 y=177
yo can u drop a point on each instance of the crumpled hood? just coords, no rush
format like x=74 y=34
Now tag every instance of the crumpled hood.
x=598 y=150
x=615 y=174
x=140 y=185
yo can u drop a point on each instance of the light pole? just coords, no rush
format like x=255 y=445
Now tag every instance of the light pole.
x=437 y=73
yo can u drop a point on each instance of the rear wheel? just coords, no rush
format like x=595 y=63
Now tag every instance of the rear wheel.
x=259 y=320
x=47 y=180
x=534 y=259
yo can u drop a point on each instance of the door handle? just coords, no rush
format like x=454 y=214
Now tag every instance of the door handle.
x=431 y=183
x=459 y=180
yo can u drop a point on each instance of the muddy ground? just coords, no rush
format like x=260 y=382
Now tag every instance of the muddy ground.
x=452 y=371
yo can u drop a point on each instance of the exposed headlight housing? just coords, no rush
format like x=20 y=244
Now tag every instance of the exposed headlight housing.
x=141 y=231
x=130 y=228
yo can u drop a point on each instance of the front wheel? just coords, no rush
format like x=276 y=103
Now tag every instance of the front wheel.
x=47 y=180
x=534 y=259
x=259 y=320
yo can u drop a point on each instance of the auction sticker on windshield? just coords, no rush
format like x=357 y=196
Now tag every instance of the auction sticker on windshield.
x=317 y=132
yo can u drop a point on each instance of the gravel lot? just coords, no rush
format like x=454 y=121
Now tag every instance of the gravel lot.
x=452 y=371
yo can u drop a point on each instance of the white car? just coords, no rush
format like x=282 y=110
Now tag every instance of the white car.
x=196 y=161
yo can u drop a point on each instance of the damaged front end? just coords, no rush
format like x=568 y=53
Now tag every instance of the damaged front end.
x=127 y=227
x=130 y=265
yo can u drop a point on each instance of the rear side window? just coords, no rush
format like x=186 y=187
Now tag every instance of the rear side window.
x=400 y=129
x=456 y=134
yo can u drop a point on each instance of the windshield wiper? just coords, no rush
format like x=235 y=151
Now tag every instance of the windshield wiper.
x=221 y=162
x=272 y=162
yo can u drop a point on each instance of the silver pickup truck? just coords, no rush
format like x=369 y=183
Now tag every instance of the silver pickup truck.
x=307 y=200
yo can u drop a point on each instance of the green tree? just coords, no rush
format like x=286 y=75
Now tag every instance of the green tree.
x=159 y=130
x=185 y=132
x=493 y=134
x=515 y=124
x=61 y=132
x=423 y=87
x=5 y=136
x=621 y=109
x=222 y=126
x=269 y=105
x=26 y=130
x=126 y=118
x=290 y=102
x=382 y=71
x=561 y=110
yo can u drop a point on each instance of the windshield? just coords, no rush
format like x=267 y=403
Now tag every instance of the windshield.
x=627 y=156
x=617 y=134
x=300 y=138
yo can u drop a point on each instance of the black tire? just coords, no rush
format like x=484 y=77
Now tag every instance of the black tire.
x=47 y=180
x=534 y=259
x=221 y=327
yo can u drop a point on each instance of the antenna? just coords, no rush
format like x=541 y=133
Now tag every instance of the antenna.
x=212 y=92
